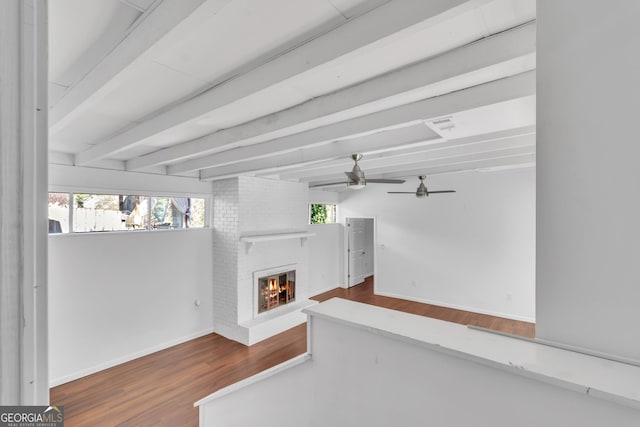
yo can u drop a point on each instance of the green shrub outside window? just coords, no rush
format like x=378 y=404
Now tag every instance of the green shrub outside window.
x=322 y=214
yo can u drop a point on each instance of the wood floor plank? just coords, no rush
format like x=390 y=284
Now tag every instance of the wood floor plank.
x=160 y=389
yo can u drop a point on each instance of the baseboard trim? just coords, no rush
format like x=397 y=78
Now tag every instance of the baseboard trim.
x=120 y=360
x=459 y=307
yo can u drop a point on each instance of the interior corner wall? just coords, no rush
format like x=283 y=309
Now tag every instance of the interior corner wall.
x=588 y=80
x=116 y=296
x=473 y=250
x=225 y=245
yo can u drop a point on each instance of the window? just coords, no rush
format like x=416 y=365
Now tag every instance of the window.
x=322 y=214
x=58 y=213
x=108 y=212
x=177 y=212
x=122 y=212
x=197 y=213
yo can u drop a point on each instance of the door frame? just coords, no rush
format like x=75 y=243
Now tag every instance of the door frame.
x=345 y=251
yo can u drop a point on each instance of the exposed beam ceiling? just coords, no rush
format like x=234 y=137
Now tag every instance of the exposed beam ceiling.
x=413 y=135
x=428 y=86
x=505 y=54
x=502 y=90
x=154 y=24
x=378 y=24
x=523 y=137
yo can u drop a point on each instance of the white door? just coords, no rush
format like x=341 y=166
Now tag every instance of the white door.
x=360 y=232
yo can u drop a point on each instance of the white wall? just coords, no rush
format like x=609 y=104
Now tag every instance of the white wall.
x=117 y=296
x=473 y=250
x=325 y=249
x=588 y=83
x=369 y=379
x=284 y=399
x=362 y=374
x=323 y=197
x=325 y=258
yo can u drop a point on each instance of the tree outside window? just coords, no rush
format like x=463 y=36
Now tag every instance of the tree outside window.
x=322 y=214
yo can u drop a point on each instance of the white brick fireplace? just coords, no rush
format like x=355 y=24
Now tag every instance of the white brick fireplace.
x=260 y=225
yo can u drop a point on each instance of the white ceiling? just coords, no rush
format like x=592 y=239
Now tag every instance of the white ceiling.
x=289 y=88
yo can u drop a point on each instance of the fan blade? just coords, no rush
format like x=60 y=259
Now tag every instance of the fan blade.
x=402 y=192
x=352 y=176
x=327 y=184
x=441 y=191
x=386 y=181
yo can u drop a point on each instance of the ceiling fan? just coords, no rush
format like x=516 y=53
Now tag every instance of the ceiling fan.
x=356 y=177
x=422 y=190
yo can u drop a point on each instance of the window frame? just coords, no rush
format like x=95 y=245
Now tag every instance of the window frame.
x=334 y=216
x=207 y=199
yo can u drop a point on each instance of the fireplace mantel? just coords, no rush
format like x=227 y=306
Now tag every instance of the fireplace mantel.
x=258 y=238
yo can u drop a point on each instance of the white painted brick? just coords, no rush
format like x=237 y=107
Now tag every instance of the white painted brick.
x=250 y=205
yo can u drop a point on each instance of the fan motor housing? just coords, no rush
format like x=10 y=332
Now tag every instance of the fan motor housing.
x=422 y=190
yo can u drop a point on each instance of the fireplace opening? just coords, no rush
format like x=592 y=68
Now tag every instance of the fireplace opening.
x=276 y=290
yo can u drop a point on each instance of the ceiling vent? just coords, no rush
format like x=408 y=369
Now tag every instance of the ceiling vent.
x=444 y=123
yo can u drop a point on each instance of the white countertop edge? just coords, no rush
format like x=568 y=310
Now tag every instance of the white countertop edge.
x=336 y=310
x=298 y=360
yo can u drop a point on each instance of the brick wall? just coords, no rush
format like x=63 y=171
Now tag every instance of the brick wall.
x=251 y=206
x=225 y=255
x=271 y=205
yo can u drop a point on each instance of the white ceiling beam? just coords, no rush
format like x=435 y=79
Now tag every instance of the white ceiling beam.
x=358 y=33
x=392 y=162
x=405 y=85
x=156 y=22
x=477 y=143
x=382 y=141
x=485 y=94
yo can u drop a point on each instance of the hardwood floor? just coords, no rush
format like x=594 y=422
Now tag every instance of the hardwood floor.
x=364 y=293
x=160 y=389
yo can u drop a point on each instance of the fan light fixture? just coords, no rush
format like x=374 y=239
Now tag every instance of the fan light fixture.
x=356 y=185
x=356 y=179
x=422 y=190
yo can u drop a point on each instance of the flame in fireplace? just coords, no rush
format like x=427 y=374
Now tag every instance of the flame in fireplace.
x=276 y=290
